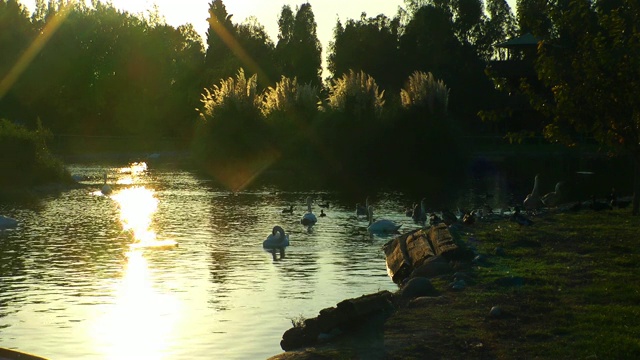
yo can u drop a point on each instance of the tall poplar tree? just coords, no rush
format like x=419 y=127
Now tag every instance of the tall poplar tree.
x=299 y=51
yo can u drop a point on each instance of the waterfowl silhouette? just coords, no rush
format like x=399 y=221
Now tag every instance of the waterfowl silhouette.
x=614 y=201
x=322 y=214
x=552 y=199
x=420 y=212
x=469 y=218
x=362 y=210
x=7 y=222
x=308 y=219
x=519 y=218
x=381 y=226
x=288 y=211
x=276 y=241
x=533 y=201
x=106 y=189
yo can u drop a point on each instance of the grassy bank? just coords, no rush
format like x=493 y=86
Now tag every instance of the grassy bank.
x=567 y=288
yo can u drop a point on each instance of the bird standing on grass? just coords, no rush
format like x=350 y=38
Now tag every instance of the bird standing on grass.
x=552 y=199
x=533 y=201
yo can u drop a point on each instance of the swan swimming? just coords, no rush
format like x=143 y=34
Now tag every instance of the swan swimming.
x=7 y=223
x=381 y=226
x=106 y=189
x=308 y=219
x=277 y=239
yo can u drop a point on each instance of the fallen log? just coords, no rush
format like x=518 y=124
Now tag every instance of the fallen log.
x=409 y=251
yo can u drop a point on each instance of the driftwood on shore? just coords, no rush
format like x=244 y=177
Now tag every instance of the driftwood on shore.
x=410 y=250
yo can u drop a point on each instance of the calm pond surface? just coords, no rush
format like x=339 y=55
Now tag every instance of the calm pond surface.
x=73 y=287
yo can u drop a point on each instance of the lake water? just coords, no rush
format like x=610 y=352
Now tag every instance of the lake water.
x=72 y=287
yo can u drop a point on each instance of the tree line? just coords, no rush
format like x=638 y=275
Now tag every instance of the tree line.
x=95 y=70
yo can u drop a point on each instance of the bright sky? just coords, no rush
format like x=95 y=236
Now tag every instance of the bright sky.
x=326 y=12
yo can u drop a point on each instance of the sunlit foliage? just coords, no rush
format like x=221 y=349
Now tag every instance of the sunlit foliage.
x=357 y=94
x=424 y=91
x=230 y=124
x=288 y=96
x=237 y=94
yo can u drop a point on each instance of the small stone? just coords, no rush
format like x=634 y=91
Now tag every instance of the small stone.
x=495 y=311
x=418 y=286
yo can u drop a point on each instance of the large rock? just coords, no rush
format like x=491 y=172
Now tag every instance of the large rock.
x=347 y=315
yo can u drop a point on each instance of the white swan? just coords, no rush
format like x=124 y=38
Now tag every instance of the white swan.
x=381 y=226
x=7 y=223
x=308 y=219
x=277 y=239
x=553 y=198
x=533 y=201
x=106 y=189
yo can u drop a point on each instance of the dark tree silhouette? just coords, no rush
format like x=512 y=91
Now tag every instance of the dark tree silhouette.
x=376 y=37
x=298 y=51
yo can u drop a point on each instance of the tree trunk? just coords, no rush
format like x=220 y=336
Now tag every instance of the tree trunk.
x=636 y=185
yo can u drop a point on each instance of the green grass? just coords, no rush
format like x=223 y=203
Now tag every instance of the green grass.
x=579 y=297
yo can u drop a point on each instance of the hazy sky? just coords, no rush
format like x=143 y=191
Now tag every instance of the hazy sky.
x=326 y=12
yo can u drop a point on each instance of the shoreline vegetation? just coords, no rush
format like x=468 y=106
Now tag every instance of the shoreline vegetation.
x=28 y=164
x=561 y=288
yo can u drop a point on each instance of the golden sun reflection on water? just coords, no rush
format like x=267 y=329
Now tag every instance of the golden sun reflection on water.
x=137 y=206
x=142 y=319
x=129 y=173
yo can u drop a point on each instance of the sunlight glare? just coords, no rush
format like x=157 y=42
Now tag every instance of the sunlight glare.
x=140 y=323
x=133 y=170
x=137 y=206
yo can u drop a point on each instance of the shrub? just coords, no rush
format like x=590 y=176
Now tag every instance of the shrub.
x=357 y=95
x=290 y=98
x=425 y=92
x=230 y=123
x=25 y=158
x=232 y=141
